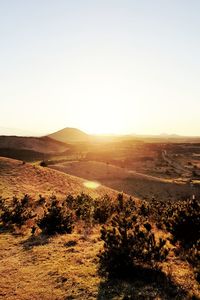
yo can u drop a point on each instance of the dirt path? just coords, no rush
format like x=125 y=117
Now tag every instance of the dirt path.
x=173 y=163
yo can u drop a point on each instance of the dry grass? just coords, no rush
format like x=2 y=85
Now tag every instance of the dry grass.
x=48 y=269
x=66 y=267
x=18 y=179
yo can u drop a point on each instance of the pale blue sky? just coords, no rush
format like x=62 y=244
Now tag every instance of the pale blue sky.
x=102 y=66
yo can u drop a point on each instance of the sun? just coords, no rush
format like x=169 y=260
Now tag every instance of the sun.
x=108 y=118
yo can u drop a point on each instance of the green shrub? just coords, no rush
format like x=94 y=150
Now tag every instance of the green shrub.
x=103 y=209
x=56 y=219
x=193 y=257
x=129 y=241
x=183 y=221
x=17 y=212
x=82 y=205
x=91 y=210
x=70 y=202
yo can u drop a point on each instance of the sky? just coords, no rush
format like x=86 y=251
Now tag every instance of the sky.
x=103 y=66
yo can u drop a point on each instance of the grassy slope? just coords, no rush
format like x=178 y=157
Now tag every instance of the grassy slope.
x=18 y=179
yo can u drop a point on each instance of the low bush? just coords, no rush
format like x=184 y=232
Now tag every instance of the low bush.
x=56 y=219
x=183 y=221
x=17 y=212
x=91 y=210
x=193 y=257
x=129 y=241
x=103 y=209
x=43 y=163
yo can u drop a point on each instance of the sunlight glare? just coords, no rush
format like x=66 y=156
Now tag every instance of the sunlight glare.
x=91 y=184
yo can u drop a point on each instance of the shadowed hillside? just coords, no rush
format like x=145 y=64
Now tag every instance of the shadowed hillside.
x=38 y=144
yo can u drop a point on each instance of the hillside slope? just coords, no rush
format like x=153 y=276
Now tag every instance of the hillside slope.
x=18 y=179
x=38 y=144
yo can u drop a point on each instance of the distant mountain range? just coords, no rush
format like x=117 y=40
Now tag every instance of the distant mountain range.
x=22 y=139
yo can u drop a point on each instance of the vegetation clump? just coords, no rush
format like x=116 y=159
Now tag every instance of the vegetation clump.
x=16 y=213
x=193 y=257
x=127 y=232
x=91 y=210
x=129 y=241
x=103 y=209
x=184 y=224
x=43 y=163
x=183 y=221
x=57 y=219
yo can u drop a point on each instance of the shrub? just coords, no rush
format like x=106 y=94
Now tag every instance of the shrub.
x=183 y=221
x=144 y=209
x=103 y=209
x=83 y=206
x=56 y=219
x=43 y=163
x=193 y=257
x=70 y=202
x=41 y=201
x=129 y=241
x=17 y=213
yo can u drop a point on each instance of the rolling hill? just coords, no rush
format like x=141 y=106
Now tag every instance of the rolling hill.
x=37 y=144
x=70 y=135
x=19 y=179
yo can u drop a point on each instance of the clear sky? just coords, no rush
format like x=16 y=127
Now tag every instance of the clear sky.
x=104 y=66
